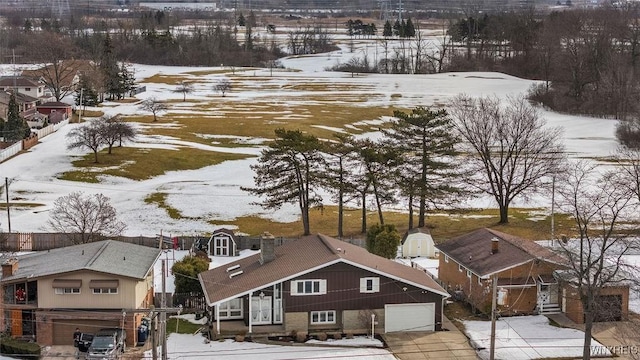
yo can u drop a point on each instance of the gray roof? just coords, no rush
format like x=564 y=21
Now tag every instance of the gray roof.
x=108 y=256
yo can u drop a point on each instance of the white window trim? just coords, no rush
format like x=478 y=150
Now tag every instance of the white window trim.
x=375 y=285
x=479 y=280
x=469 y=274
x=104 y=291
x=225 y=310
x=446 y=258
x=322 y=287
x=326 y=317
x=72 y=291
x=460 y=267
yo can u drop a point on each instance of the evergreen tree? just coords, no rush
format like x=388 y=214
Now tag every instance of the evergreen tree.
x=15 y=128
x=241 y=20
x=388 y=30
x=288 y=171
x=251 y=19
x=383 y=240
x=427 y=166
x=187 y=271
x=337 y=176
x=397 y=28
x=110 y=70
x=409 y=29
x=402 y=29
x=86 y=95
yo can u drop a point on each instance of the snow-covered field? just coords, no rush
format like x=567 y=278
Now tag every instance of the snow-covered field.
x=214 y=192
x=527 y=337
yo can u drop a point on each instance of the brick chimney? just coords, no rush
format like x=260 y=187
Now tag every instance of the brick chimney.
x=9 y=267
x=495 y=245
x=267 y=248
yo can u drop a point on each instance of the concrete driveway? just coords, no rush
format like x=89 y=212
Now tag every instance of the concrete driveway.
x=417 y=345
x=60 y=352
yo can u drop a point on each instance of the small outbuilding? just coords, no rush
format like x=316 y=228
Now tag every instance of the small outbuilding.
x=418 y=242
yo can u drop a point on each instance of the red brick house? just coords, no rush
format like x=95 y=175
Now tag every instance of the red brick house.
x=527 y=276
x=321 y=284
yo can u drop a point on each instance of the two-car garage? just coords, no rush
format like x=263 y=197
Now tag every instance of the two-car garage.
x=63 y=329
x=409 y=317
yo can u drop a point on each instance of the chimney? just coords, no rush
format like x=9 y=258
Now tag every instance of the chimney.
x=9 y=267
x=495 y=245
x=267 y=248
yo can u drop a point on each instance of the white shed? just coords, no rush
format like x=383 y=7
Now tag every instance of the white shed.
x=418 y=242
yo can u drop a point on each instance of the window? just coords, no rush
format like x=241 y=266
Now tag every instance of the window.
x=479 y=281
x=27 y=89
x=308 y=287
x=469 y=274
x=446 y=259
x=370 y=285
x=460 y=268
x=64 y=291
x=323 y=317
x=105 y=290
x=231 y=309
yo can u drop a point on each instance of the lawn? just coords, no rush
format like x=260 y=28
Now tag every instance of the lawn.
x=143 y=163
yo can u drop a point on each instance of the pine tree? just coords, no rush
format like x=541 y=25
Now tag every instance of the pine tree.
x=409 y=29
x=110 y=70
x=15 y=128
x=427 y=169
x=288 y=172
x=388 y=30
x=86 y=95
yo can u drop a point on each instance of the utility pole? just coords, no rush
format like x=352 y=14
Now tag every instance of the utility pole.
x=553 y=212
x=163 y=314
x=6 y=192
x=494 y=295
x=154 y=339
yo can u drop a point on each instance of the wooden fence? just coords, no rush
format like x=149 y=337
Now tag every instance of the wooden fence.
x=48 y=241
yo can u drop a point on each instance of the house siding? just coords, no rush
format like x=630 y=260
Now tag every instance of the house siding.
x=343 y=293
x=126 y=297
x=520 y=300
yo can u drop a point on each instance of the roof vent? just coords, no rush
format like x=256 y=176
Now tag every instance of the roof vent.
x=231 y=268
x=235 y=274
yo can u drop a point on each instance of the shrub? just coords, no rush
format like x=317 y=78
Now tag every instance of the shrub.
x=11 y=346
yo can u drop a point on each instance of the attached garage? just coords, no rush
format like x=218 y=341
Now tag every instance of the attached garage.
x=63 y=328
x=409 y=317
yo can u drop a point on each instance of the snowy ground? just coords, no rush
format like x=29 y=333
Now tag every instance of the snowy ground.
x=181 y=346
x=527 y=337
x=214 y=192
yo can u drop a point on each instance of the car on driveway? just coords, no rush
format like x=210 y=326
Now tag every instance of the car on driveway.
x=107 y=344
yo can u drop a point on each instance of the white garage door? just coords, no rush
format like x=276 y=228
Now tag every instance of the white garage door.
x=409 y=317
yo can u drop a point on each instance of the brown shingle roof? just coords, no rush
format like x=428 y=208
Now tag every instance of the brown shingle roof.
x=298 y=257
x=473 y=251
x=19 y=81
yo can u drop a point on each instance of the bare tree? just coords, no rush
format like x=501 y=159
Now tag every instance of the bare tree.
x=59 y=70
x=114 y=130
x=89 y=136
x=90 y=216
x=511 y=151
x=599 y=204
x=154 y=106
x=223 y=86
x=184 y=88
x=629 y=162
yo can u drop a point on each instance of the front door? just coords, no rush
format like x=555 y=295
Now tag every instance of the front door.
x=261 y=310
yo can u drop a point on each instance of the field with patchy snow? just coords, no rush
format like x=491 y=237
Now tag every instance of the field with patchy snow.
x=294 y=94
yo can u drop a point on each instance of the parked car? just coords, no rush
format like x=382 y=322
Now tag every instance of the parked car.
x=107 y=344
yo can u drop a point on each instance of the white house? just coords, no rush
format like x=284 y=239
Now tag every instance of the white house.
x=418 y=242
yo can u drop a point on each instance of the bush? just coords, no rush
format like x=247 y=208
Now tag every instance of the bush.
x=11 y=346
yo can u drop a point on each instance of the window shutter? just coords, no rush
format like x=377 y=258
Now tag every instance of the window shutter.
x=363 y=285
x=294 y=287
x=323 y=286
x=376 y=284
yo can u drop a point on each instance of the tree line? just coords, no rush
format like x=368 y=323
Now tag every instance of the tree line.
x=426 y=159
